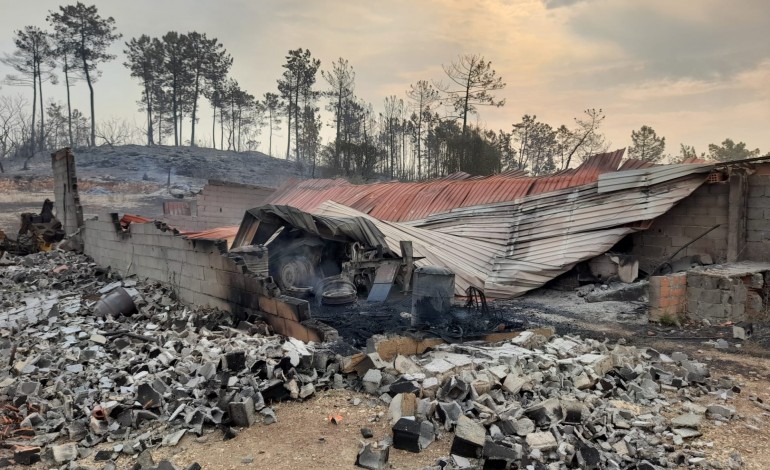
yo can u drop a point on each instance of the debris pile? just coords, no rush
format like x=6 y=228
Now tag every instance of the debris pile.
x=563 y=402
x=139 y=379
x=86 y=376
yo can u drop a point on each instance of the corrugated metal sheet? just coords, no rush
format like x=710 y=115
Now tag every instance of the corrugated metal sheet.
x=649 y=176
x=221 y=233
x=259 y=225
x=512 y=247
x=470 y=260
x=176 y=208
x=400 y=202
x=508 y=233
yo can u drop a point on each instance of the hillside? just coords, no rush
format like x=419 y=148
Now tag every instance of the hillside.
x=190 y=166
x=133 y=178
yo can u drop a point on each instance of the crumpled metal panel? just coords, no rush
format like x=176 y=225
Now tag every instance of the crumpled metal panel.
x=510 y=248
x=401 y=202
x=344 y=229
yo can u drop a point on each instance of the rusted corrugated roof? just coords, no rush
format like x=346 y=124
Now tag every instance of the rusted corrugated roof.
x=176 y=208
x=221 y=233
x=510 y=248
x=401 y=202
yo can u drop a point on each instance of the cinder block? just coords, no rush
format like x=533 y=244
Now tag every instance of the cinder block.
x=704 y=221
x=694 y=293
x=189 y=283
x=758 y=202
x=757 y=235
x=755 y=213
x=756 y=190
x=713 y=296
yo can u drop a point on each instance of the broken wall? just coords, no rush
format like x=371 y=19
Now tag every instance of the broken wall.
x=758 y=216
x=733 y=292
x=65 y=191
x=220 y=204
x=706 y=207
x=196 y=269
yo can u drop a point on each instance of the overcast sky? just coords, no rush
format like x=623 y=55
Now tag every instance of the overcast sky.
x=697 y=71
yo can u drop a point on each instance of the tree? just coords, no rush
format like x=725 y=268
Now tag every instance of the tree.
x=297 y=82
x=65 y=53
x=12 y=126
x=272 y=105
x=394 y=108
x=33 y=61
x=177 y=78
x=730 y=151
x=145 y=61
x=57 y=135
x=584 y=140
x=216 y=78
x=646 y=146
x=341 y=78
x=472 y=82
x=116 y=131
x=206 y=61
x=537 y=146
x=89 y=36
x=424 y=99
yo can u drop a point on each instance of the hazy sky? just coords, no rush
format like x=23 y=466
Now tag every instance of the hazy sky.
x=697 y=71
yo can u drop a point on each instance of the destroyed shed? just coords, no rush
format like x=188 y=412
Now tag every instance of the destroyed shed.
x=510 y=233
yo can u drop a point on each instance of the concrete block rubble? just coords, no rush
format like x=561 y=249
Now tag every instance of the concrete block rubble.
x=551 y=403
x=80 y=382
x=136 y=381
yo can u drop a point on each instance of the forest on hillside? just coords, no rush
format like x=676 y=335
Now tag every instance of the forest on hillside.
x=426 y=132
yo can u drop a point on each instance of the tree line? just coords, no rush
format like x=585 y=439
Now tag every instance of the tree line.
x=428 y=132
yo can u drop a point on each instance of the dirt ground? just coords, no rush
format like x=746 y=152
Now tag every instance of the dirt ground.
x=303 y=437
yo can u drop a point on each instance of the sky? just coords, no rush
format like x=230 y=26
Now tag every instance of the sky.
x=696 y=71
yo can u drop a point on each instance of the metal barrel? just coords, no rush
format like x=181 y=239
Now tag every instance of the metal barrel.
x=117 y=302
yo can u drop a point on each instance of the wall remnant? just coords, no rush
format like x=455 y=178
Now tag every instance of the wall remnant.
x=668 y=297
x=690 y=218
x=199 y=270
x=729 y=293
x=757 y=245
x=65 y=190
x=219 y=204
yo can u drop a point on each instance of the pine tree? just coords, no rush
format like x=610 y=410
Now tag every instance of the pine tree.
x=89 y=36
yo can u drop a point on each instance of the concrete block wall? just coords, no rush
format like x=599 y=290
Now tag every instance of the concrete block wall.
x=668 y=297
x=706 y=207
x=757 y=246
x=220 y=204
x=66 y=198
x=715 y=298
x=223 y=204
x=198 y=271
x=188 y=223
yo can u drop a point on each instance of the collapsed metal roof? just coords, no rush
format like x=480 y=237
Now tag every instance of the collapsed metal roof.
x=259 y=225
x=508 y=234
x=400 y=202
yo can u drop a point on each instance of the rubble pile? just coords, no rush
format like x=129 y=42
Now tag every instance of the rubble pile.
x=555 y=403
x=137 y=380
x=86 y=377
